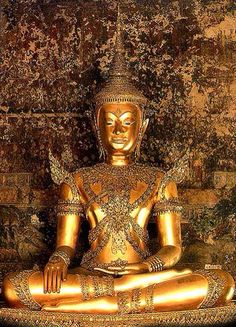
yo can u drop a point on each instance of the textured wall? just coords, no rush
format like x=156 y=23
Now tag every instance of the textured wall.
x=55 y=54
x=182 y=53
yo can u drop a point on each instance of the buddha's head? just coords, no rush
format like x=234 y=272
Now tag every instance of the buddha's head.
x=120 y=107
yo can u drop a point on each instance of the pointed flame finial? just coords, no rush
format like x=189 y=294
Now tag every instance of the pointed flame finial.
x=119 y=88
x=118 y=29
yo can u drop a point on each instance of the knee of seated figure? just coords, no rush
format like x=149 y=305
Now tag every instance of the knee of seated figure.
x=185 y=271
x=223 y=290
x=229 y=286
x=180 y=272
x=9 y=293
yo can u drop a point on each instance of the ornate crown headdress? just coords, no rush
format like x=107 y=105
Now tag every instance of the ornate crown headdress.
x=119 y=88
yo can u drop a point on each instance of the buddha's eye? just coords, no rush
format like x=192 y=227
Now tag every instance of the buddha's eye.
x=128 y=122
x=109 y=122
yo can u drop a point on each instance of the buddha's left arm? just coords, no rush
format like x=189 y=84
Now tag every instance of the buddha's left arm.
x=169 y=231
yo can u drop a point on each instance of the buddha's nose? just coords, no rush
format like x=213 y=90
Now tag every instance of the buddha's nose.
x=118 y=129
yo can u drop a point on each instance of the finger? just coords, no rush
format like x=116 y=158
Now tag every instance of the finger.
x=50 y=280
x=115 y=268
x=59 y=277
x=64 y=274
x=48 y=308
x=124 y=272
x=100 y=269
x=54 y=281
x=132 y=268
x=45 y=280
x=49 y=303
x=105 y=271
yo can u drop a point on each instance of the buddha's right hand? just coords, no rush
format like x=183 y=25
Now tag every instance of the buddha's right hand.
x=55 y=271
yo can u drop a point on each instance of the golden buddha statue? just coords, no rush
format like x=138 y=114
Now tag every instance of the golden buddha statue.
x=118 y=274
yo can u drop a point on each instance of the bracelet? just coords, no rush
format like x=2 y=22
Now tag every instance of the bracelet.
x=62 y=255
x=154 y=263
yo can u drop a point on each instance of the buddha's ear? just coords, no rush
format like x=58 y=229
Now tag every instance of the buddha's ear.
x=145 y=125
x=93 y=126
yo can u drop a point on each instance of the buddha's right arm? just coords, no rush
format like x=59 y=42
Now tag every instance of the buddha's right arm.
x=68 y=226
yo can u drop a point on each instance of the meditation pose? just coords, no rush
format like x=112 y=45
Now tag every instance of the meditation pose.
x=118 y=274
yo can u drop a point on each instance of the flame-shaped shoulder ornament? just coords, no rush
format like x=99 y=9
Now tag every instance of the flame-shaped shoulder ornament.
x=60 y=175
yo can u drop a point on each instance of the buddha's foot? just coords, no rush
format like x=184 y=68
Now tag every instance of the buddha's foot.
x=102 y=305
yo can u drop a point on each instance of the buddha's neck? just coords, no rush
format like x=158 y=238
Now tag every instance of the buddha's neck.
x=119 y=160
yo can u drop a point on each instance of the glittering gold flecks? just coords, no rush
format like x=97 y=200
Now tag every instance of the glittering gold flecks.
x=203 y=317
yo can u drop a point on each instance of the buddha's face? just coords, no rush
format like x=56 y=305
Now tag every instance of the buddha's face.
x=119 y=126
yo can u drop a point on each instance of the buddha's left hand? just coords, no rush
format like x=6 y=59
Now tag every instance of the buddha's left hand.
x=129 y=269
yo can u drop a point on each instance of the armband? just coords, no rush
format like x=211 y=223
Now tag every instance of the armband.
x=69 y=207
x=167 y=206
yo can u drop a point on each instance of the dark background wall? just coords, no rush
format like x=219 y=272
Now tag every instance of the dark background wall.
x=54 y=55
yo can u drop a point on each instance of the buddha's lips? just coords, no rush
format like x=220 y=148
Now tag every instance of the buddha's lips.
x=119 y=140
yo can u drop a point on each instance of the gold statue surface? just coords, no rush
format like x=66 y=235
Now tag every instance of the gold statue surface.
x=118 y=274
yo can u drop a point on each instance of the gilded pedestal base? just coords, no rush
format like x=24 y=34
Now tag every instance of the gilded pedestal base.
x=201 y=317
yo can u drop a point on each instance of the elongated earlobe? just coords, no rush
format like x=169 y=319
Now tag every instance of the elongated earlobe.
x=145 y=125
x=140 y=137
x=102 y=152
